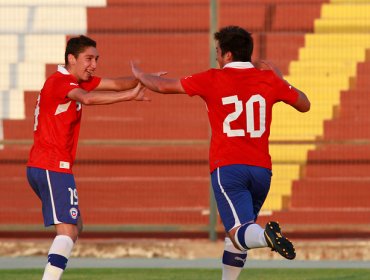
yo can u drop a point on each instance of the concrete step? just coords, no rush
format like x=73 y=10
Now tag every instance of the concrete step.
x=338 y=170
x=319 y=216
x=330 y=193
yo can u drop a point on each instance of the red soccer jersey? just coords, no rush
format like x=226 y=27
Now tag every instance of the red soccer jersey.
x=57 y=122
x=239 y=100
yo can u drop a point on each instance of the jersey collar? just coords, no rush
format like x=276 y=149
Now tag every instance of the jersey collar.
x=63 y=70
x=239 y=65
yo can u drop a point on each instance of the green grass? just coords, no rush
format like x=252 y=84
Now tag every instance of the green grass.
x=191 y=274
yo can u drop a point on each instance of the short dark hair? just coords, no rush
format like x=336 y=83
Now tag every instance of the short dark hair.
x=77 y=45
x=236 y=40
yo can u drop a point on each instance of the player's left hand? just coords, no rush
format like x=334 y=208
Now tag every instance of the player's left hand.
x=141 y=90
x=138 y=72
x=135 y=70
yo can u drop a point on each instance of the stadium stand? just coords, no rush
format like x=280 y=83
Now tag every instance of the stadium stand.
x=277 y=50
x=334 y=180
x=296 y=16
x=155 y=170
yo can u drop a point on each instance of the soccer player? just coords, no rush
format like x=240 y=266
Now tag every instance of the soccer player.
x=239 y=100
x=56 y=128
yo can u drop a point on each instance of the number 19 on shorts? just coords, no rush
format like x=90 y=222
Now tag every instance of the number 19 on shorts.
x=73 y=196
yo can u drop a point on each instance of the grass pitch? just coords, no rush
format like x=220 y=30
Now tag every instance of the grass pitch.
x=191 y=274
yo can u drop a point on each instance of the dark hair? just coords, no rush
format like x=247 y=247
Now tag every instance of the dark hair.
x=77 y=45
x=236 y=40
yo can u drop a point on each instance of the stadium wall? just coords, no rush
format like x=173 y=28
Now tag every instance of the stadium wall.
x=143 y=167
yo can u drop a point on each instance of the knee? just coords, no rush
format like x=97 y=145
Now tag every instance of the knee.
x=76 y=230
x=79 y=228
x=232 y=235
x=69 y=230
x=74 y=234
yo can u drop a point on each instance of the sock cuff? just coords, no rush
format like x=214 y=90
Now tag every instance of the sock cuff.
x=229 y=246
x=234 y=259
x=240 y=237
x=59 y=261
x=64 y=237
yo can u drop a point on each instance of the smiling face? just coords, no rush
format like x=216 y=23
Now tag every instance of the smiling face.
x=84 y=65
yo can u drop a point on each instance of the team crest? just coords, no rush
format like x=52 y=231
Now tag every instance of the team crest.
x=74 y=213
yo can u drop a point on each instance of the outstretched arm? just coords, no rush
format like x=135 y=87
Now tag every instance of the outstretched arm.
x=117 y=84
x=101 y=98
x=156 y=82
x=302 y=104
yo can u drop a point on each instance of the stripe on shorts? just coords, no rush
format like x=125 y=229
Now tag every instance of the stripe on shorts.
x=236 y=218
x=52 y=199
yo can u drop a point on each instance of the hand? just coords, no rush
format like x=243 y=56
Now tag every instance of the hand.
x=141 y=93
x=136 y=70
x=160 y=73
x=267 y=65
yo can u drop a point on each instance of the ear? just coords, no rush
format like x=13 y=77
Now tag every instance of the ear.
x=228 y=57
x=71 y=59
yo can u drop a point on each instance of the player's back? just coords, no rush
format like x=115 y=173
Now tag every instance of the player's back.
x=239 y=99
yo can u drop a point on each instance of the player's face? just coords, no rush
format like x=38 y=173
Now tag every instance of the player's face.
x=219 y=55
x=85 y=64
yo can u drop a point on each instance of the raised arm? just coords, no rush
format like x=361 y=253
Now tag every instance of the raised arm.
x=156 y=82
x=117 y=84
x=302 y=104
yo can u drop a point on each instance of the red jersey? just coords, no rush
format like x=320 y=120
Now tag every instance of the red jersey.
x=239 y=100
x=57 y=122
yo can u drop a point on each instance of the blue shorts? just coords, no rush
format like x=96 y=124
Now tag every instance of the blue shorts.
x=58 y=195
x=240 y=191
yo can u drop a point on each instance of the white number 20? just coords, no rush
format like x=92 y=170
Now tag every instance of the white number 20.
x=249 y=109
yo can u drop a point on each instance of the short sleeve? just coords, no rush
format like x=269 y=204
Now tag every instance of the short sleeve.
x=60 y=87
x=91 y=84
x=196 y=84
x=285 y=92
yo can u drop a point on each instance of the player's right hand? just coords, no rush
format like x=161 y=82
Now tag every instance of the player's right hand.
x=268 y=65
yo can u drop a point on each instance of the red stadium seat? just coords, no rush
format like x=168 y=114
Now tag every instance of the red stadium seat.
x=251 y=17
x=24 y=127
x=295 y=17
x=281 y=48
x=314 y=192
x=136 y=18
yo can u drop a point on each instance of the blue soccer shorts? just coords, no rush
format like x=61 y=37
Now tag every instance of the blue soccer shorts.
x=58 y=195
x=240 y=191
